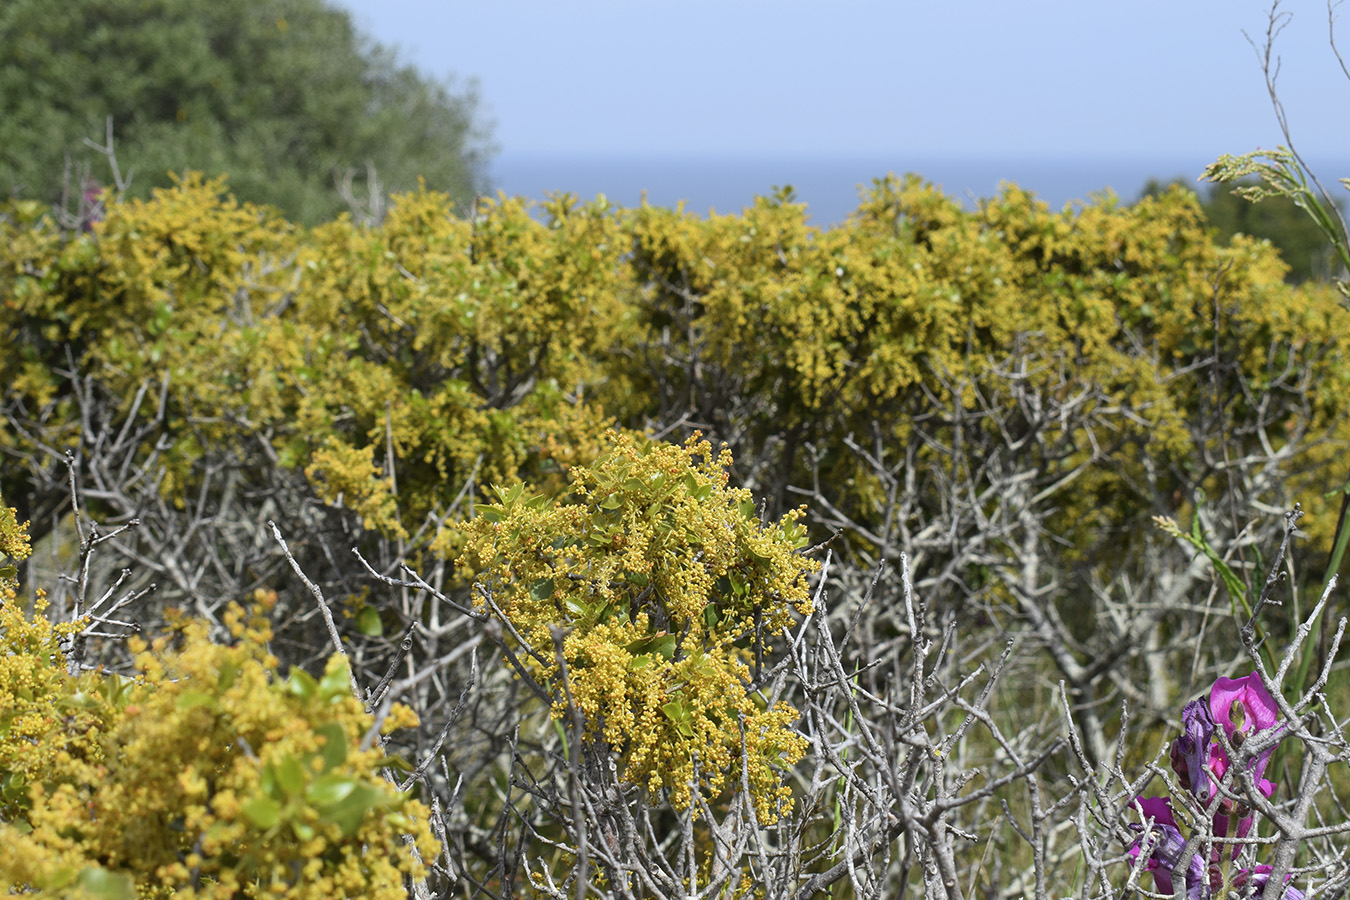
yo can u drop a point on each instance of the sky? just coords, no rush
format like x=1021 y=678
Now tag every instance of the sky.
x=976 y=79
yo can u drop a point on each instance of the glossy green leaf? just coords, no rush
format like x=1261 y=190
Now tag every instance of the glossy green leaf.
x=675 y=711
x=78 y=700
x=301 y=684
x=710 y=616
x=396 y=763
x=330 y=789
x=263 y=812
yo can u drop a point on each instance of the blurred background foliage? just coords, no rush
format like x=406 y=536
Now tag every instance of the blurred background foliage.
x=284 y=96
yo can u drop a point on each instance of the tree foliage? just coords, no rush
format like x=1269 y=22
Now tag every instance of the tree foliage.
x=283 y=95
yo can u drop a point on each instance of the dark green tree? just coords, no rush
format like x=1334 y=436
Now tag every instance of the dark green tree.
x=1277 y=219
x=283 y=96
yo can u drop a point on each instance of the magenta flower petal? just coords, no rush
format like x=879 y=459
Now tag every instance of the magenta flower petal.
x=1242 y=705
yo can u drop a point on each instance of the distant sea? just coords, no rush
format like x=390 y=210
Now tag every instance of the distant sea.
x=829 y=186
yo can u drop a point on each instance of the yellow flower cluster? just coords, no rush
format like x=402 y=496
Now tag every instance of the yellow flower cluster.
x=206 y=775
x=669 y=590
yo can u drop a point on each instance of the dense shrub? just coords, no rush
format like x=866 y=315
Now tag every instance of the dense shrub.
x=204 y=774
x=664 y=595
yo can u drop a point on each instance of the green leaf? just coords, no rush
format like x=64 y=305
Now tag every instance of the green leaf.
x=710 y=616
x=348 y=812
x=394 y=762
x=293 y=454
x=78 y=700
x=336 y=682
x=334 y=749
x=159 y=321
x=542 y=589
x=368 y=622
x=330 y=789
x=675 y=711
x=291 y=775
x=9 y=573
x=263 y=812
x=489 y=513
x=301 y=684
x=738 y=587
x=13 y=786
x=194 y=699
x=662 y=644
x=101 y=884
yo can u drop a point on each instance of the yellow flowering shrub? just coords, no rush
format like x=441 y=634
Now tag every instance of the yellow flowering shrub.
x=667 y=594
x=790 y=337
x=453 y=346
x=395 y=372
x=205 y=775
x=393 y=366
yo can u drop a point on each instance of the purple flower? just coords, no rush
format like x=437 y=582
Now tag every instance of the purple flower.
x=1190 y=751
x=1257 y=879
x=1167 y=846
x=1244 y=707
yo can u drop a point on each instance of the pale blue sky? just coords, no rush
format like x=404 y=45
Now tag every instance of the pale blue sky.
x=969 y=78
